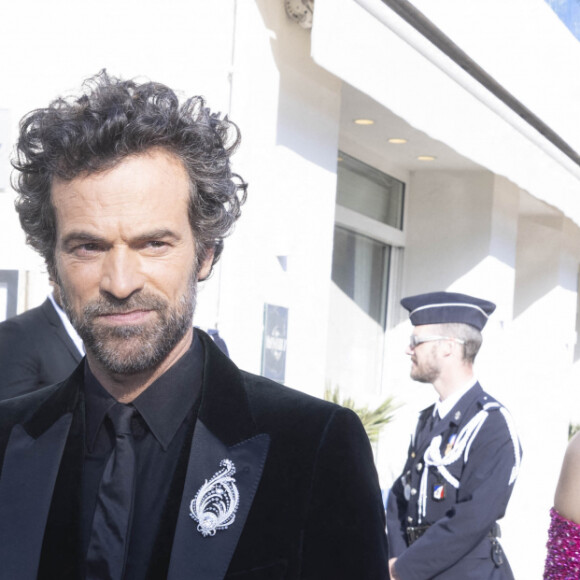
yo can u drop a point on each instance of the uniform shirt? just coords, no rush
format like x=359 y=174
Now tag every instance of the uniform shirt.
x=162 y=433
x=442 y=408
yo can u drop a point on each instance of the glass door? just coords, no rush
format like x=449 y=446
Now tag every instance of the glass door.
x=358 y=312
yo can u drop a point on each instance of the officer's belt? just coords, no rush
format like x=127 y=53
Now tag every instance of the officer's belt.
x=415 y=532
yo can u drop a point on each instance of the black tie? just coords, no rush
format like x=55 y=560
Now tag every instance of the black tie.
x=434 y=421
x=111 y=523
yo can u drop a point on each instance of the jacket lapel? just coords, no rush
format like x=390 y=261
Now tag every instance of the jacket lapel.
x=29 y=472
x=194 y=555
x=30 y=468
x=462 y=411
x=457 y=417
x=224 y=430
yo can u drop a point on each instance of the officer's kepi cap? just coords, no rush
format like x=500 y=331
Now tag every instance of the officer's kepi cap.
x=445 y=307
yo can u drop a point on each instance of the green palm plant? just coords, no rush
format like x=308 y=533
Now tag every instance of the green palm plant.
x=373 y=420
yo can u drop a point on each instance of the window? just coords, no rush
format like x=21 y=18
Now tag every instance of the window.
x=367 y=238
x=358 y=306
x=8 y=293
x=370 y=192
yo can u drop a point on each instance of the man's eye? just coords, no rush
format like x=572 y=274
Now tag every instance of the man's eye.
x=156 y=246
x=84 y=249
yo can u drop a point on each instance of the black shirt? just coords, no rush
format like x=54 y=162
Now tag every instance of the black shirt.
x=162 y=432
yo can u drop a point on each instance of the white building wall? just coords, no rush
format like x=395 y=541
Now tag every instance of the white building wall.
x=288 y=109
x=541 y=341
x=448 y=227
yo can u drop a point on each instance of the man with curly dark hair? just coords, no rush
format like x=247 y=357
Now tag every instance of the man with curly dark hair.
x=158 y=457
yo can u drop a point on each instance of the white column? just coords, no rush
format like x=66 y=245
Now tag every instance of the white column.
x=288 y=110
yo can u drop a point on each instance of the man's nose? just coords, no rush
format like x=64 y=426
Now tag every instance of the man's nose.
x=122 y=273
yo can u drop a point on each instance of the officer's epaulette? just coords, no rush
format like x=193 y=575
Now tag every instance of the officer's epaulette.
x=488 y=403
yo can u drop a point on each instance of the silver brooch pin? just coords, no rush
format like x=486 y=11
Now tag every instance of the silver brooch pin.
x=216 y=502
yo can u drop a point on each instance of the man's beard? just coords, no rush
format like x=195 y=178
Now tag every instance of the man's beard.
x=133 y=348
x=426 y=373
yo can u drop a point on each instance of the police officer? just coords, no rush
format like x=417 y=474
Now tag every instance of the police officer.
x=463 y=459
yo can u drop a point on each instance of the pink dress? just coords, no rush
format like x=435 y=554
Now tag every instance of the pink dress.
x=563 y=560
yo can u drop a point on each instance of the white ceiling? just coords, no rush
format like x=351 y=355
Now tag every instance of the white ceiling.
x=355 y=105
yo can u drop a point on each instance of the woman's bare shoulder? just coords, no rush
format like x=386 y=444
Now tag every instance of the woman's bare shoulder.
x=567 y=499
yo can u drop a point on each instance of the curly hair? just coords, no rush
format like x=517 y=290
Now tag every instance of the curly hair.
x=111 y=120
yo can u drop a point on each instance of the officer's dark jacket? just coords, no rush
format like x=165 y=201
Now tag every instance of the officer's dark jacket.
x=309 y=508
x=457 y=545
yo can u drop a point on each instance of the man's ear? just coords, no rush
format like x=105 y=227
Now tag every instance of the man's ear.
x=446 y=347
x=205 y=269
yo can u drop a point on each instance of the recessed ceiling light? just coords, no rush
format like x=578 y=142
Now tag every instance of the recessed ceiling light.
x=339 y=159
x=426 y=158
x=397 y=140
x=364 y=122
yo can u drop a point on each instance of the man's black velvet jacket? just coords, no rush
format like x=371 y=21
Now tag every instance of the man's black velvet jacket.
x=309 y=508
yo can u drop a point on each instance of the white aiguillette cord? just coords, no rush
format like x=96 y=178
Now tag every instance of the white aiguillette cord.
x=433 y=457
x=463 y=444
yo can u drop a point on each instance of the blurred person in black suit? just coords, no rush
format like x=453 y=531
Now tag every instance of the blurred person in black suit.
x=37 y=348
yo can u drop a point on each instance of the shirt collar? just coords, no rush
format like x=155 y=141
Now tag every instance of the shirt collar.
x=163 y=405
x=444 y=407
